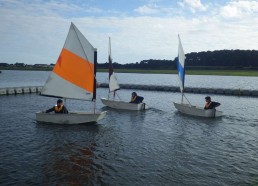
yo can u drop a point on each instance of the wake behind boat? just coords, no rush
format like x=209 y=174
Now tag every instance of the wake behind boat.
x=73 y=77
x=187 y=108
x=113 y=87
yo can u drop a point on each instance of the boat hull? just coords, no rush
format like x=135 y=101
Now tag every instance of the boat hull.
x=124 y=105
x=197 y=111
x=71 y=118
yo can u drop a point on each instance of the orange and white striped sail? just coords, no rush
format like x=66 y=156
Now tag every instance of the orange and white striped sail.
x=73 y=75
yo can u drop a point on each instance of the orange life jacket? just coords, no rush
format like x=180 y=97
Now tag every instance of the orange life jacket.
x=58 y=109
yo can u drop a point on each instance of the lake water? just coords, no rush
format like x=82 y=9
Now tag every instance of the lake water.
x=38 y=78
x=155 y=147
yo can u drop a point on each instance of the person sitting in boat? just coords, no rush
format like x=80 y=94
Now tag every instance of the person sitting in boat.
x=59 y=108
x=210 y=104
x=136 y=99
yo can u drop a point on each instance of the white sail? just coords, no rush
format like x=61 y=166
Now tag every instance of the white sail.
x=56 y=86
x=181 y=65
x=73 y=75
x=113 y=83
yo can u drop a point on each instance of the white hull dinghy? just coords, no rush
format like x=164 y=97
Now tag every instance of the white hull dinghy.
x=187 y=108
x=70 y=118
x=197 y=111
x=124 y=105
x=73 y=77
x=113 y=87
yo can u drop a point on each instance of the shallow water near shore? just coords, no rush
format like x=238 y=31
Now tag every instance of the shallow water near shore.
x=158 y=146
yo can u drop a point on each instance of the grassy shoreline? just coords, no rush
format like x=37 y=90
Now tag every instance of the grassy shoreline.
x=253 y=73
x=190 y=72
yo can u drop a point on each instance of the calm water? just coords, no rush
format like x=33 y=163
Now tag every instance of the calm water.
x=157 y=147
x=38 y=78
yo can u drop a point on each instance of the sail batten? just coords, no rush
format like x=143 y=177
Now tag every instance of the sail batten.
x=181 y=65
x=73 y=75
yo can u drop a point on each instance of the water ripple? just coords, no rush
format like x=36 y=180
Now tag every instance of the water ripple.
x=157 y=147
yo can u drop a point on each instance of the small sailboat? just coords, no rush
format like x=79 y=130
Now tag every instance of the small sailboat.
x=187 y=108
x=73 y=77
x=114 y=86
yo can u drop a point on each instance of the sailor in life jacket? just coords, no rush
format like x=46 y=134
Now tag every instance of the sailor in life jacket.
x=136 y=99
x=59 y=108
x=210 y=104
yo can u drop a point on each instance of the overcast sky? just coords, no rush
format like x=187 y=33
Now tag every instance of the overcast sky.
x=34 y=31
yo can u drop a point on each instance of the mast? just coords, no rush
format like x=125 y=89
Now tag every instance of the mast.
x=110 y=69
x=182 y=98
x=94 y=83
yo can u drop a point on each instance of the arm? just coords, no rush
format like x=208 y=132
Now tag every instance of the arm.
x=50 y=110
x=215 y=104
x=133 y=99
x=139 y=99
x=65 y=111
x=207 y=105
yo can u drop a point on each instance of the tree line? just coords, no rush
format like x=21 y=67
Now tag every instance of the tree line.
x=218 y=59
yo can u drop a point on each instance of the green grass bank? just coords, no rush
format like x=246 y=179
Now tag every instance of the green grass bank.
x=142 y=71
x=190 y=72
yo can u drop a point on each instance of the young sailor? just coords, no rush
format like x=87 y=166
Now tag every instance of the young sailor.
x=59 y=108
x=210 y=104
x=136 y=99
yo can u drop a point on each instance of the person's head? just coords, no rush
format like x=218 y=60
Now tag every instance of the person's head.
x=59 y=102
x=134 y=94
x=208 y=99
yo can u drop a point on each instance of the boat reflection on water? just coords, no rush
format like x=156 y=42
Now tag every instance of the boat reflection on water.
x=72 y=165
x=128 y=115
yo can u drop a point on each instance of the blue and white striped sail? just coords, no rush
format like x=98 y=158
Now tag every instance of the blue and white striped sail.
x=181 y=65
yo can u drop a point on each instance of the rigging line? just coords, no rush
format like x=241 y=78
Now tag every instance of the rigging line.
x=118 y=97
x=115 y=94
x=187 y=99
x=84 y=50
